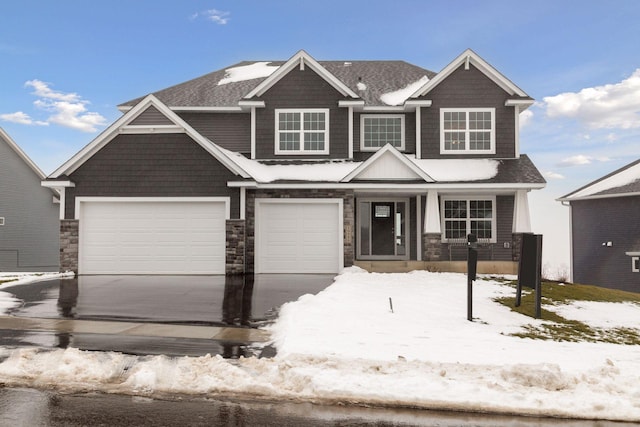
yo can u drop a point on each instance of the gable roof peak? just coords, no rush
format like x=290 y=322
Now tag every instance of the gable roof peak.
x=466 y=58
x=4 y=136
x=301 y=59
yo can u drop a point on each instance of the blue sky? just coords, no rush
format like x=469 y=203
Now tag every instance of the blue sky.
x=67 y=64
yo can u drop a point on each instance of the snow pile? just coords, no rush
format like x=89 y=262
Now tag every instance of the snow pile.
x=598 y=314
x=7 y=302
x=346 y=345
x=14 y=279
x=398 y=97
x=247 y=72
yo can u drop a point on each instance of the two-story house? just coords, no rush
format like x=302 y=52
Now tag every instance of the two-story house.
x=304 y=166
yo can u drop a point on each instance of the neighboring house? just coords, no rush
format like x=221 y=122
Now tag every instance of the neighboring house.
x=304 y=166
x=605 y=231
x=29 y=226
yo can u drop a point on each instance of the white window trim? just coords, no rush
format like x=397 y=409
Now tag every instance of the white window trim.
x=468 y=198
x=302 y=151
x=382 y=116
x=98 y=199
x=1 y=220
x=491 y=150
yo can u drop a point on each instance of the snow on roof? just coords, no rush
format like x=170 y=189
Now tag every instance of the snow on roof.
x=248 y=72
x=622 y=178
x=448 y=170
x=444 y=170
x=331 y=172
x=398 y=97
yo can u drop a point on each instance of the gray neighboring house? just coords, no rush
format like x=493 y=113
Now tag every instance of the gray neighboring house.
x=605 y=231
x=29 y=224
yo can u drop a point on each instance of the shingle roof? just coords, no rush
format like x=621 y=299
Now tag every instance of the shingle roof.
x=515 y=171
x=379 y=77
x=622 y=181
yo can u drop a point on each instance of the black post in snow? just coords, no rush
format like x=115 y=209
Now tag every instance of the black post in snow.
x=472 y=266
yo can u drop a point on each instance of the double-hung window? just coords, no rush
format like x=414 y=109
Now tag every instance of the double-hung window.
x=303 y=131
x=463 y=216
x=376 y=131
x=467 y=131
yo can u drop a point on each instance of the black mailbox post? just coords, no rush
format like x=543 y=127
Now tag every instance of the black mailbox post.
x=472 y=267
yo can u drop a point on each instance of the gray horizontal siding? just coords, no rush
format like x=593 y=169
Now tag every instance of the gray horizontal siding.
x=151 y=117
x=468 y=89
x=163 y=165
x=302 y=89
x=599 y=221
x=29 y=236
x=229 y=130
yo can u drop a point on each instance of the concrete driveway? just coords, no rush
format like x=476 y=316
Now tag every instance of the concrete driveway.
x=199 y=300
x=175 y=315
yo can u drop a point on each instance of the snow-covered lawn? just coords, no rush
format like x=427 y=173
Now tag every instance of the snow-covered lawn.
x=7 y=301
x=346 y=345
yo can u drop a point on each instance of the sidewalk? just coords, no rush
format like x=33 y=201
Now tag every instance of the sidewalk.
x=133 y=337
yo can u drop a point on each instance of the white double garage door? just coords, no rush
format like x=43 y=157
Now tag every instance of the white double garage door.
x=188 y=235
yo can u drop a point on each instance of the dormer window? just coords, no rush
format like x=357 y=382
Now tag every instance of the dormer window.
x=304 y=131
x=377 y=130
x=467 y=131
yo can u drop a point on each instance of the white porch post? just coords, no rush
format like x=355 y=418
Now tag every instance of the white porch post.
x=521 y=218
x=432 y=214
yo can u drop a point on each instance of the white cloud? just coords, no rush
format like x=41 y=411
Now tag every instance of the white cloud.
x=66 y=109
x=43 y=90
x=525 y=118
x=553 y=175
x=580 y=160
x=72 y=115
x=22 y=118
x=611 y=106
x=217 y=16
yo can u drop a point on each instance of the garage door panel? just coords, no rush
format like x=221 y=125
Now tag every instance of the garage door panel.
x=140 y=237
x=298 y=237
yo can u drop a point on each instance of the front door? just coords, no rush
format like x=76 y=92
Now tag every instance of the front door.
x=382 y=229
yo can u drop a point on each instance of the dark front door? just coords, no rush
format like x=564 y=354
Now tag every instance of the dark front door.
x=382 y=228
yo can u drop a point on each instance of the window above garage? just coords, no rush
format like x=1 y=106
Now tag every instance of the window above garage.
x=304 y=131
x=377 y=130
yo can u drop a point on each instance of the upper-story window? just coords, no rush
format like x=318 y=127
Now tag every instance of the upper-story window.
x=379 y=130
x=467 y=131
x=304 y=131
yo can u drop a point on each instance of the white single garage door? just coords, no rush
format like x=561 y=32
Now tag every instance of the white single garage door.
x=299 y=236
x=152 y=237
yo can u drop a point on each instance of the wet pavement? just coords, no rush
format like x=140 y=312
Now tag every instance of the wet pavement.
x=172 y=315
x=28 y=407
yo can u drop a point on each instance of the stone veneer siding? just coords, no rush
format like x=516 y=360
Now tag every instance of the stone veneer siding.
x=69 y=231
x=348 y=217
x=433 y=247
x=235 y=246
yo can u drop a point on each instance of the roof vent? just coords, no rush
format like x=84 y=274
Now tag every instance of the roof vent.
x=347 y=64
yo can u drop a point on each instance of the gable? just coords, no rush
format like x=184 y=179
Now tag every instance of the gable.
x=150 y=117
x=467 y=59
x=301 y=61
x=10 y=144
x=388 y=164
x=387 y=167
x=124 y=126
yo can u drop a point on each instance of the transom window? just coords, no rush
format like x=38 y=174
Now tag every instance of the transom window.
x=461 y=217
x=464 y=131
x=379 y=130
x=302 y=131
